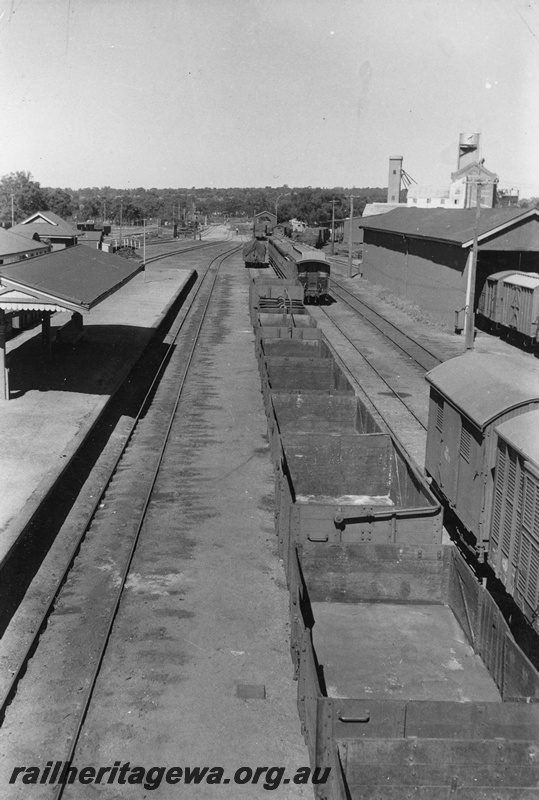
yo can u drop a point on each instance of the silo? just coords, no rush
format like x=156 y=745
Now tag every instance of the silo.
x=394 y=180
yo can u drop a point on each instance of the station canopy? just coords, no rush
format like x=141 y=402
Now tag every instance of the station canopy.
x=76 y=279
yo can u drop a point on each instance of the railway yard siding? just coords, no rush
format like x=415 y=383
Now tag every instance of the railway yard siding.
x=387 y=713
x=309 y=530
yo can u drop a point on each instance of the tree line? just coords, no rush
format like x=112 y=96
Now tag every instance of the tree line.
x=21 y=195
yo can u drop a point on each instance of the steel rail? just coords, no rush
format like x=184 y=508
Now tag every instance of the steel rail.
x=378 y=373
x=85 y=705
x=31 y=648
x=183 y=250
x=388 y=329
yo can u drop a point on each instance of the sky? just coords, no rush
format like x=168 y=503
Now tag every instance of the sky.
x=236 y=93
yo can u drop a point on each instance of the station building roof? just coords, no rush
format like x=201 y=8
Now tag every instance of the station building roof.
x=12 y=243
x=483 y=386
x=498 y=228
x=47 y=224
x=522 y=433
x=77 y=278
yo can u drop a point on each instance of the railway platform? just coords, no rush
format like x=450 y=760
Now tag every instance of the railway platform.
x=55 y=404
x=197 y=670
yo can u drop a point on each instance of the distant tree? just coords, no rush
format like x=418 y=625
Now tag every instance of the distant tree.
x=59 y=201
x=28 y=196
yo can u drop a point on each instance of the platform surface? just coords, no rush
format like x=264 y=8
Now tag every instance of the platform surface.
x=54 y=404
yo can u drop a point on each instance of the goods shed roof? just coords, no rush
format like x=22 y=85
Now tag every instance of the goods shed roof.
x=522 y=433
x=498 y=228
x=483 y=386
x=76 y=278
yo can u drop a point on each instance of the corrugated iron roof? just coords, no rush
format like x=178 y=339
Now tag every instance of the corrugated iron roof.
x=48 y=216
x=522 y=433
x=12 y=243
x=93 y=235
x=52 y=225
x=449 y=225
x=78 y=275
x=485 y=385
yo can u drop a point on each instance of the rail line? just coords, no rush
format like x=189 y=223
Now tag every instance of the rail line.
x=133 y=475
x=371 y=364
x=420 y=354
x=183 y=250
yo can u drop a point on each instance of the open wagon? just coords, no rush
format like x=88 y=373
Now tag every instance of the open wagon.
x=423 y=697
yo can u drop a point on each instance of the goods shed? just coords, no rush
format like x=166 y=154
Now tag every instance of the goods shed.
x=75 y=279
x=424 y=255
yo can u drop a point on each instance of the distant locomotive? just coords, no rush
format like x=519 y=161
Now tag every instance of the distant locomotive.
x=483 y=457
x=509 y=305
x=300 y=262
x=255 y=253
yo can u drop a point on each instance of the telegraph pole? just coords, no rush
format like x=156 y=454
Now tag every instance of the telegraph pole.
x=350 y=236
x=144 y=243
x=332 y=250
x=472 y=272
x=121 y=212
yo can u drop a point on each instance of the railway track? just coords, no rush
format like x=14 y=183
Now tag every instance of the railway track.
x=58 y=682
x=425 y=358
x=393 y=392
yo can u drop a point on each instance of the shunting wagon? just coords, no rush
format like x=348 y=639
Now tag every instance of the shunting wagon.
x=303 y=263
x=470 y=395
x=509 y=304
x=255 y=254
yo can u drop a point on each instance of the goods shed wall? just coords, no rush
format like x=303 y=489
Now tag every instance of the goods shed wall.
x=428 y=273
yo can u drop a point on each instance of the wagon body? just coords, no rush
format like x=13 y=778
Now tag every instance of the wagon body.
x=425 y=697
x=269 y=295
x=514 y=547
x=520 y=307
x=350 y=488
x=470 y=395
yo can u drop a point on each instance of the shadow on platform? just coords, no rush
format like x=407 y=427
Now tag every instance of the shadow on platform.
x=91 y=366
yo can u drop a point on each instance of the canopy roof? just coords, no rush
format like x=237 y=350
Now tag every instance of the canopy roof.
x=77 y=278
x=483 y=386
